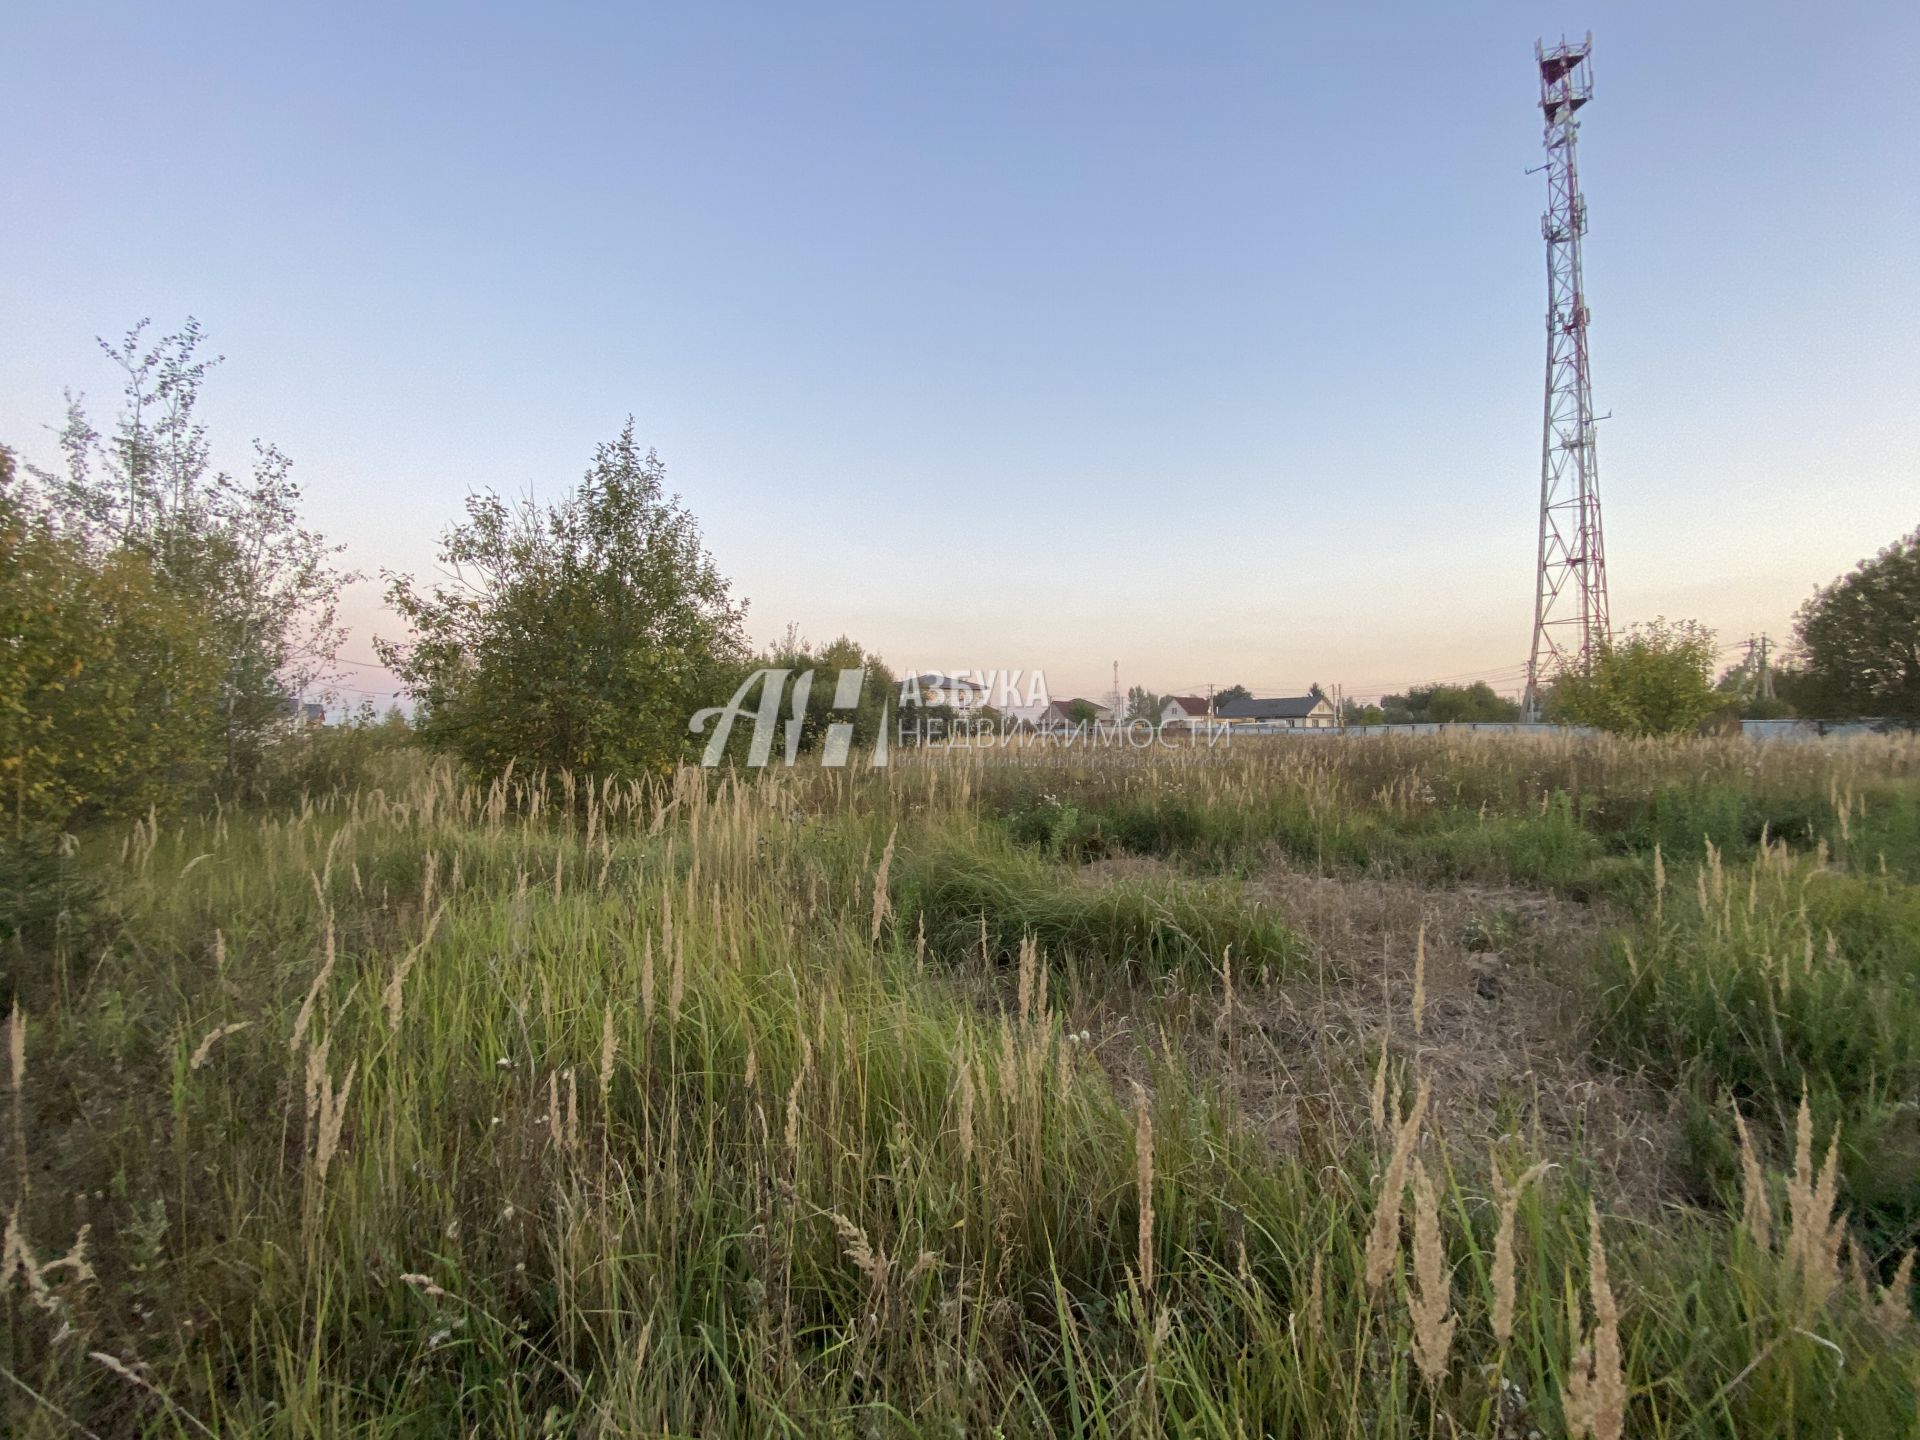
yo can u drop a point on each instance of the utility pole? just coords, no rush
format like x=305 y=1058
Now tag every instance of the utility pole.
x=1570 y=589
x=1765 y=687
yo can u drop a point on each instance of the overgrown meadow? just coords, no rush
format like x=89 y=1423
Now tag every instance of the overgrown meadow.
x=1351 y=1087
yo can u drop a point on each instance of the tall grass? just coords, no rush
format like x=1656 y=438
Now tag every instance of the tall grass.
x=1758 y=984
x=543 y=1107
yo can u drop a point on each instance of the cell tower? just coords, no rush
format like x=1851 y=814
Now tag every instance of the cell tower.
x=1570 y=592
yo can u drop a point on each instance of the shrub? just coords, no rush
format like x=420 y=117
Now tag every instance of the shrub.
x=1658 y=680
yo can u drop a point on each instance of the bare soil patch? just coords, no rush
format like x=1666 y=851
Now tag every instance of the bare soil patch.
x=1498 y=1032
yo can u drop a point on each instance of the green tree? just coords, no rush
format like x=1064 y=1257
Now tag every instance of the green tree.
x=107 y=676
x=1229 y=695
x=579 y=635
x=1657 y=680
x=1143 y=704
x=1477 y=703
x=1859 y=639
x=879 y=691
x=234 y=549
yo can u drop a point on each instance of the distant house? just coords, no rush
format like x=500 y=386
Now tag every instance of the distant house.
x=302 y=712
x=1286 y=712
x=1059 y=714
x=935 y=689
x=1183 y=710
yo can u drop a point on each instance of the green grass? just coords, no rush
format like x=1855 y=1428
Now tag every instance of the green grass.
x=826 y=1189
x=1779 y=979
x=973 y=898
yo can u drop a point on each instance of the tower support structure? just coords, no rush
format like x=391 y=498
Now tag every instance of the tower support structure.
x=1570 y=591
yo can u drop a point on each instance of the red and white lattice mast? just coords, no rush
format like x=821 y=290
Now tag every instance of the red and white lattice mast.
x=1570 y=593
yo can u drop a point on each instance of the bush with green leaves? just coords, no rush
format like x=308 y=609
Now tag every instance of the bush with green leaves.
x=109 y=677
x=1656 y=680
x=233 y=550
x=578 y=636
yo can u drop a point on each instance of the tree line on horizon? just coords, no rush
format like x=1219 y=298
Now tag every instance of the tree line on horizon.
x=160 y=616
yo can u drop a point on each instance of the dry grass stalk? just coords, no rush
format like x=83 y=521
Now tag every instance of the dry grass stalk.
x=16 y=1257
x=316 y=1076
x=1503 y=1262
x=332 y=1115
x=1595 y=1398
x=882 y=900
x=1814 y=1233
x=608 y=1045
x=395 y=997
x=1856 y=1272
x=1420 y=978
x=214 y=1037
x=1890 y=1309
x=1029 y=964
x=1756 y=1210
x=1377 y=1101
x=1429 y=1303
x=425 y=1286
x=17 y=1077
x=646 y=986
x=573 y=1112
x=305 y=1017
x=1383 y=1240
x=1143 y=1162
x=133 y=1377
x=793 y=1112
x=676 y=978
x=869 y=1261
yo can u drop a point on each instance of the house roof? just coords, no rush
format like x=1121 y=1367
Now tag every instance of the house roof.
x=1063 y=709
x=1189 y=704
x=1284 y=707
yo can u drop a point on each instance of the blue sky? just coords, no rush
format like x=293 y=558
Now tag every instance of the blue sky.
x=1205 y=338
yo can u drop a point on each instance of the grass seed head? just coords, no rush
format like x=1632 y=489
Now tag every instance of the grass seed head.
x=1814 y=1233
x=1503 y=1260
x=1430 y=1303
x=302 y=1020
x=1890 y=1310
x=17 y=1046
x=607 y=1049
x=1377 y=1101
x=212 y=1038
x=1383 y=1239
x=1595 y=1396
x=1756 y=1210
x=1420 y=979
x=1143 y=1163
